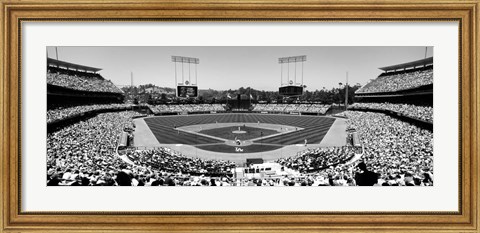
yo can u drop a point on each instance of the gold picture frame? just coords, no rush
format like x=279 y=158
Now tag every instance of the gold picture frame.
x=15 y=12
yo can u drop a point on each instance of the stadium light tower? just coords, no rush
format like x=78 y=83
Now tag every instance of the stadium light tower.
x=131 y=78
x=291 y=87
x=340 y=93
x=186 y=88
x=346 y=93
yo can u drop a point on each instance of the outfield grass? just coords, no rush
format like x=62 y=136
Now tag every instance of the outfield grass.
x=226 y=132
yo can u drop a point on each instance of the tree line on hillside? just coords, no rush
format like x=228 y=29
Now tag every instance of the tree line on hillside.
x=152 y=94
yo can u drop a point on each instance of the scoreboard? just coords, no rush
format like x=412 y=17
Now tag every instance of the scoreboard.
x=187 y=91
x=290 y=90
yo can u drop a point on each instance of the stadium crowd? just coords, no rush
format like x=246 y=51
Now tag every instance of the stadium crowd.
x=62 y=112
x=398 y=81
x=420 y=112
x=401 y=153
x=317 y=159
x=86 y=150
x=287 y=108
x=81 y=81
x=165 y=160
x=179 y=108
x=84 y=154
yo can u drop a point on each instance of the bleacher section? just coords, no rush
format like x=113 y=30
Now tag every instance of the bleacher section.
x=400 y=77
x=407 y=83
x=77 y=92
x=61 y=113
x=187 y=108
x=424 y=113
x=403 y=91
x=318 y=159
x=78 y=80
x=70 y=84
x=165 y=160
x=292 y=108
x=398 y=81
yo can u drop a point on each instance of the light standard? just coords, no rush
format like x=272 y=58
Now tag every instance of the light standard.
x=340 y=94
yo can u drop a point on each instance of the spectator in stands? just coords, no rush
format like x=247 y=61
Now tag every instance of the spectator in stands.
x=365 y=177
x=123 y=179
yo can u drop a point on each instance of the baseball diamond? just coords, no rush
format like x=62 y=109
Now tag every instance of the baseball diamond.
x=214 y=134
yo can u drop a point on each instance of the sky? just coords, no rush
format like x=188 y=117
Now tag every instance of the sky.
x=232 y=67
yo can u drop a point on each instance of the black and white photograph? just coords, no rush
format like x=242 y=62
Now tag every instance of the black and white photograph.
x=240 y=116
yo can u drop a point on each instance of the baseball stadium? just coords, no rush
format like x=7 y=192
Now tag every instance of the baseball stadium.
x=105 y=134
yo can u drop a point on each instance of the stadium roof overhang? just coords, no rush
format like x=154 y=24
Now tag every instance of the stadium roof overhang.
x=68 y=65
x=417 y=63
